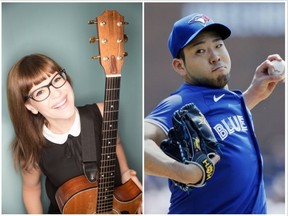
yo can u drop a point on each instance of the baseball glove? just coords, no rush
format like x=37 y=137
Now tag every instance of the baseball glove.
x=191 y=141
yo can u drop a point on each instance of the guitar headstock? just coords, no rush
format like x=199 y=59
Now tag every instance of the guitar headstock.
x=111 y=39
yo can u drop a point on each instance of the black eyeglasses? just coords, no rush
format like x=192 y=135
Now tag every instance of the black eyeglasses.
x=43 y=92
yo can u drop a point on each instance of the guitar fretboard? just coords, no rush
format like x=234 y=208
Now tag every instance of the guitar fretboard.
x=109 y=139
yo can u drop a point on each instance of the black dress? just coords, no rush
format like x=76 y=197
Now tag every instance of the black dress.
x=59 y=163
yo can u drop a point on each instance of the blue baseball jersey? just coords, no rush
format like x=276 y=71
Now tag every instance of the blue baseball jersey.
x=237 y=185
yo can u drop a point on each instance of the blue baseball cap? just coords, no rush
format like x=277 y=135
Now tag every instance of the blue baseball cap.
x=187 y=28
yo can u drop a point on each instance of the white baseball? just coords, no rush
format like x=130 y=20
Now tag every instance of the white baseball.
x=279 y=68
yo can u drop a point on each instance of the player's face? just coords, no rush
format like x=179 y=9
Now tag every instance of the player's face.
x=207 y=61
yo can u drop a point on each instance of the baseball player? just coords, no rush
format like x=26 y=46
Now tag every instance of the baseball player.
x=199 y=56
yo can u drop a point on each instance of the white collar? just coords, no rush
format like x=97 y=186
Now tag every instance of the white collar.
x=62 y=138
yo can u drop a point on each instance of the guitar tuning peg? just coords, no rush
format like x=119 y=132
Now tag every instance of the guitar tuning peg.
x=121 y=57
x=125 y=38
x=95 y=57
x=93 y=39
x=122 y=23
x=92 y=22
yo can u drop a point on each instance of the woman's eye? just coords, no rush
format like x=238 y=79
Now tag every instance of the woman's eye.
x=39 y=92
x=57 y=79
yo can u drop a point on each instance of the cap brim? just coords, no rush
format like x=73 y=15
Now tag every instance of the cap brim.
x=222 y=30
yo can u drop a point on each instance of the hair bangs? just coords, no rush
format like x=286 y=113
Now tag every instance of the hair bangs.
x=33 y=71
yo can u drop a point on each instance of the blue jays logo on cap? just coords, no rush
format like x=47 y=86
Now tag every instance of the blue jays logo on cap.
x=202 y=19
x=189 y=27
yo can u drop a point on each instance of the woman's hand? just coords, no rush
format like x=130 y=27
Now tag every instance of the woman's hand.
x=132 y=174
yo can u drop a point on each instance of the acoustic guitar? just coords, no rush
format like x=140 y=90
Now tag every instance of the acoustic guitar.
x=78 y=195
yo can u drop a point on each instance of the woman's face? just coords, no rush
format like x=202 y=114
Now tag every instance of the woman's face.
x=59 y=106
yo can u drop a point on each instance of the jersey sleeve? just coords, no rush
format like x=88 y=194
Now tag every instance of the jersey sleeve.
x=161 y=114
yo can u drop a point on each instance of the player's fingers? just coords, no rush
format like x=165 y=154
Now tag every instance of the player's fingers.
x=274 y=57
x=262 y=69
x=215 y=158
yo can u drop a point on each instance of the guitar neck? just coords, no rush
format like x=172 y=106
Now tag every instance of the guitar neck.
x=109 y=141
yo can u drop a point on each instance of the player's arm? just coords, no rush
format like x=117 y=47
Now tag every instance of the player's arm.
x=262 y=84
x=159 y=164
x=31 y=190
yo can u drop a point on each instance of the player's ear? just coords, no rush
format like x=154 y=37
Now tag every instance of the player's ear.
x=179 y=66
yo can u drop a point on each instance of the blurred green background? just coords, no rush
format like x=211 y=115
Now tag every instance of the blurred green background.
x=60 y=30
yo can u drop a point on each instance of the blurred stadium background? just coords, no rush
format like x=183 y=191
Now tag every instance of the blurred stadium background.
x=258 y=29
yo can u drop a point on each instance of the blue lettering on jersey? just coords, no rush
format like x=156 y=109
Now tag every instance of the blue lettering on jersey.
x=230 y=125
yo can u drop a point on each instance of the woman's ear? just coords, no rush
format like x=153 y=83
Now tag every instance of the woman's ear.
x=31 y=108
x=179 y=66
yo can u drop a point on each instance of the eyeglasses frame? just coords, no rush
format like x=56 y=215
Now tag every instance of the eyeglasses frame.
x=48 y=86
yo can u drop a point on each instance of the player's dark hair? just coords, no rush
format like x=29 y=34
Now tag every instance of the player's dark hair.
x=181 y=55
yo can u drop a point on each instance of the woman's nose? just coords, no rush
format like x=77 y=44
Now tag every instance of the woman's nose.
x=54 y=92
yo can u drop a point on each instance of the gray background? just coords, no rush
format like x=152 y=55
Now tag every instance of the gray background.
x=258 y=30
x=60 y=30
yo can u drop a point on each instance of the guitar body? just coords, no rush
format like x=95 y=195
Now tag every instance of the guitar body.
x=79 y=196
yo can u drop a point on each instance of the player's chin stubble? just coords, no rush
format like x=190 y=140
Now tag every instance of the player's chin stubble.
x=222 y=81
x=218 y=82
